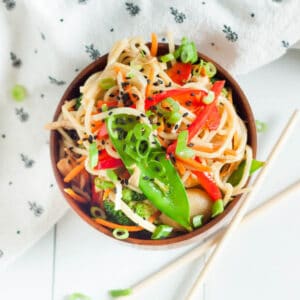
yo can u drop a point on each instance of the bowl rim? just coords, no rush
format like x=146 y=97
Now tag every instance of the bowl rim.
x=238 y=95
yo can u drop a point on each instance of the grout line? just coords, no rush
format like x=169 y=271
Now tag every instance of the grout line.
x=53 y=262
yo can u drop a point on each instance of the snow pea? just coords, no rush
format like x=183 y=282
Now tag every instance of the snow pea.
x=158 y=179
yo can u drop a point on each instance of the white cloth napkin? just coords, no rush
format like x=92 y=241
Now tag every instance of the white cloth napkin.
x=44 y=44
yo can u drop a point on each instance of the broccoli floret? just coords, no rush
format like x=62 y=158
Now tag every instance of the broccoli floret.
x=130 y=195
x=144 y=209
x=115 y=216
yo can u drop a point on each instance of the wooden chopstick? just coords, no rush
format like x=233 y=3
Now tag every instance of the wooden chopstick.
x=233 y=225
x=203 y=248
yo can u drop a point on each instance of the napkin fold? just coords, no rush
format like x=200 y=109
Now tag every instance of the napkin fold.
x=43 y=46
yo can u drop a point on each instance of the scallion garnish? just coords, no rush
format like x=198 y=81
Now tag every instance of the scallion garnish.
x=97 y=212
x=18 y=92
x=103 y=185
x=161 y=231
x=78 y=102
x=166 y=58
x=217 y=208
x=120 y=293
x=93 y=155
x=78 y=296
x=210 y=69
x=261 y=126
x=107 y=83
x=209 y=98
x=120 y=233
x=181 y=148
x=197 y=221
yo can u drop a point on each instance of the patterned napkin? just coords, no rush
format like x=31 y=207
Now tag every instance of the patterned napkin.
x=44 y=44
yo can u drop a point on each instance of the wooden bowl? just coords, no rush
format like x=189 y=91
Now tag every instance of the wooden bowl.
x=242 y=107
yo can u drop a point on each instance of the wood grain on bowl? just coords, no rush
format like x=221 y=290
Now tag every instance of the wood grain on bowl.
x=243 y=109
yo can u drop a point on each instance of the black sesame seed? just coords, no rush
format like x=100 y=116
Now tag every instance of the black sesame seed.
x=124 y=84
x=169 y=125
x=142 y=115
x=176 y=127
x=103 y=142
x=185 y=114
x=111 y=95
x=178 y=72
x=90 y=138
x=148 y=80
x=126 y=181
x=189 y=103
x=190 y=144
x=146 y=178
x=156 y=83
x=142 y=69
x=169 y=84
x=192 y=94
x=110 y=113
x=150 y=98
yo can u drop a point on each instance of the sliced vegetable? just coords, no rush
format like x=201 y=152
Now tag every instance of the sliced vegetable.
x=18 y=92
x=130 y=195
x=217 y=208
x=197 y=221
x=210 y=69
x=116 y=216
x=181 y=148
x=167 y=57
x=74 y=172
x=180 y=72
x=186 y=51
x=114 y=225
x=93 y=155
x=97 y=212
x=79 y=296
x=107 y=83
x=237 y=175
x=161 y=232
x=208 y=185
x=209 y=98
x=75 y=196
x=139 y=151
x=105 y=161
x=261 y=126
x=154 y=44
x=102 y=132
x=121 y=234
x=120 y=293
x=203 y=116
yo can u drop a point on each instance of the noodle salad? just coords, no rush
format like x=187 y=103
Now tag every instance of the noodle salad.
x=153 y=147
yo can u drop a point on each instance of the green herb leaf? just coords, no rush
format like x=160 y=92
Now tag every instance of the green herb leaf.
x=78 y=102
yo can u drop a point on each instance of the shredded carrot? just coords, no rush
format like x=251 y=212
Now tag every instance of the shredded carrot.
x=192 y=164
x=235 y=141
x=149 y=86
x=154 y=44
x=154 y=216
x=75 y=196
x=204 y=149
x=96 y=126
x=74 y=172
x=106 y=193
x=203 y=72
x=180 y=167
x=114 y=225
x=230 y=152
x=80 y=159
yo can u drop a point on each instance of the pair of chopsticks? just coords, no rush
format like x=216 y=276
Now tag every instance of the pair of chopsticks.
x=221 y=238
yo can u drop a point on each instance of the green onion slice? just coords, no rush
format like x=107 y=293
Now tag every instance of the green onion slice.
x=78 y=296
x=93 y=155
x=161 y=231
x=261 y=126
x=120 y=293
x=166 y=58
x=121 y=234
x=107 y=83
x=210 y=69
x=97 y=212
x=78 y=102
x=197 y=221
x=18 y=92
x=217 y=208
x=209 y=98
x=181 y=148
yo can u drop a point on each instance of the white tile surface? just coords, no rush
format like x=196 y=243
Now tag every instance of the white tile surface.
x=262 y=262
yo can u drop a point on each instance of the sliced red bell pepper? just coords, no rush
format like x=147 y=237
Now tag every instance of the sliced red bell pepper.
x=180 y=72
x=178 y=94
x=105 y=161
x=102 y=132
x=213 y=119
x=203 y=115
x=208 y=185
